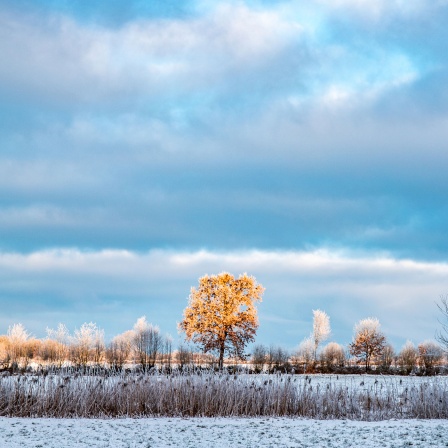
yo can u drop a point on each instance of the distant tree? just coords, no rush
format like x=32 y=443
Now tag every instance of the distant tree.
x=387 y=356
x=270 y=356
x=166 y=352
x=442 y=336
x=4 y=357
x=209 y=359
x=87 y=344
x=58 y=341
x=430 y=353
x=146 y=342
x=17 y=338
x=333 y=355
x=99 y=346
x=321 y=329
x=183 y=356
x=119 y=349
x=407 y=358
x=368 y=341
x=221 y=315
x=303 y=358
x=280 y=358
x=48 y=351
x=259 y=357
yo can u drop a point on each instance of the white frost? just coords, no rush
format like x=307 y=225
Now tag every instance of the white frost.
x=219 y=432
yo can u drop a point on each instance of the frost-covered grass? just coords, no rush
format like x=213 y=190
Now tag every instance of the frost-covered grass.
x=220 y=433
x=208 y=394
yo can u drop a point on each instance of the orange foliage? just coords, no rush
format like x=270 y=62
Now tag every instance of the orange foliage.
x=221 y=314
x=368 y=341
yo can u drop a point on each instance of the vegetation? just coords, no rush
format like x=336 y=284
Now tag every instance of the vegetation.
x=368 y=341
x=442 y=336
x=220 y=319
x=321 y=329
x=138 y=373
x=210 y=394
x=221 y=315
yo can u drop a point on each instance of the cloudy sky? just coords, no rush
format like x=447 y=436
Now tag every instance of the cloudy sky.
x=146 y=143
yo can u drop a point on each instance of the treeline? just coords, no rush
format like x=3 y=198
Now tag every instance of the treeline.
x=427 y=358
x=369 y=349
x=144 y=347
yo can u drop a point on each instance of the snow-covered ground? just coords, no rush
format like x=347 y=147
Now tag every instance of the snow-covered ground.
x=219 y=432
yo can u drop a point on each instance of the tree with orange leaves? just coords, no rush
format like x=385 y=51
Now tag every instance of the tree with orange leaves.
x=221 y=315
x=368 y=341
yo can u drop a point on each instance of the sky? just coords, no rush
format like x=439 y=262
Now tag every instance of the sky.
x=144 y=144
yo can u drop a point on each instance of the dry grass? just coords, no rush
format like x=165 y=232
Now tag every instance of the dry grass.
x=212 y=394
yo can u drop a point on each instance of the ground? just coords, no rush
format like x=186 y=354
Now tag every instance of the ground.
x=219 y=433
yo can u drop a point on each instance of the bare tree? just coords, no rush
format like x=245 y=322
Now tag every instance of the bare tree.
x=183 y=356
x=166 y=353
x=270 y=356
x=430 y=353
x=407 y=358
x=119 y=349
x=146 y=343
x=259 y=357
x=99 y=346
x=87 y=344
x=303 y=358
x=221 y=315
x=387 y=356
x=321 y=329
x=58 y=340
x=280 y=358
x=368 y=341
x=333 y=355
x=442 y=336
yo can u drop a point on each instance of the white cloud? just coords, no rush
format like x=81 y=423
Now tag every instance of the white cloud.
x=401 y=293
x=65 y=58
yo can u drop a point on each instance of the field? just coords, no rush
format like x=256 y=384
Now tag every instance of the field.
x=220 y=433
x=221 y=410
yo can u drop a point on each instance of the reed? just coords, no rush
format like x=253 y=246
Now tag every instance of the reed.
x=210 y=394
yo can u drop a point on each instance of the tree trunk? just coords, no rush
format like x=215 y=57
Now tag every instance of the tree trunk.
x=221 y=355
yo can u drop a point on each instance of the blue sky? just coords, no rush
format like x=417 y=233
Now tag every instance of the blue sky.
x=231 y=135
